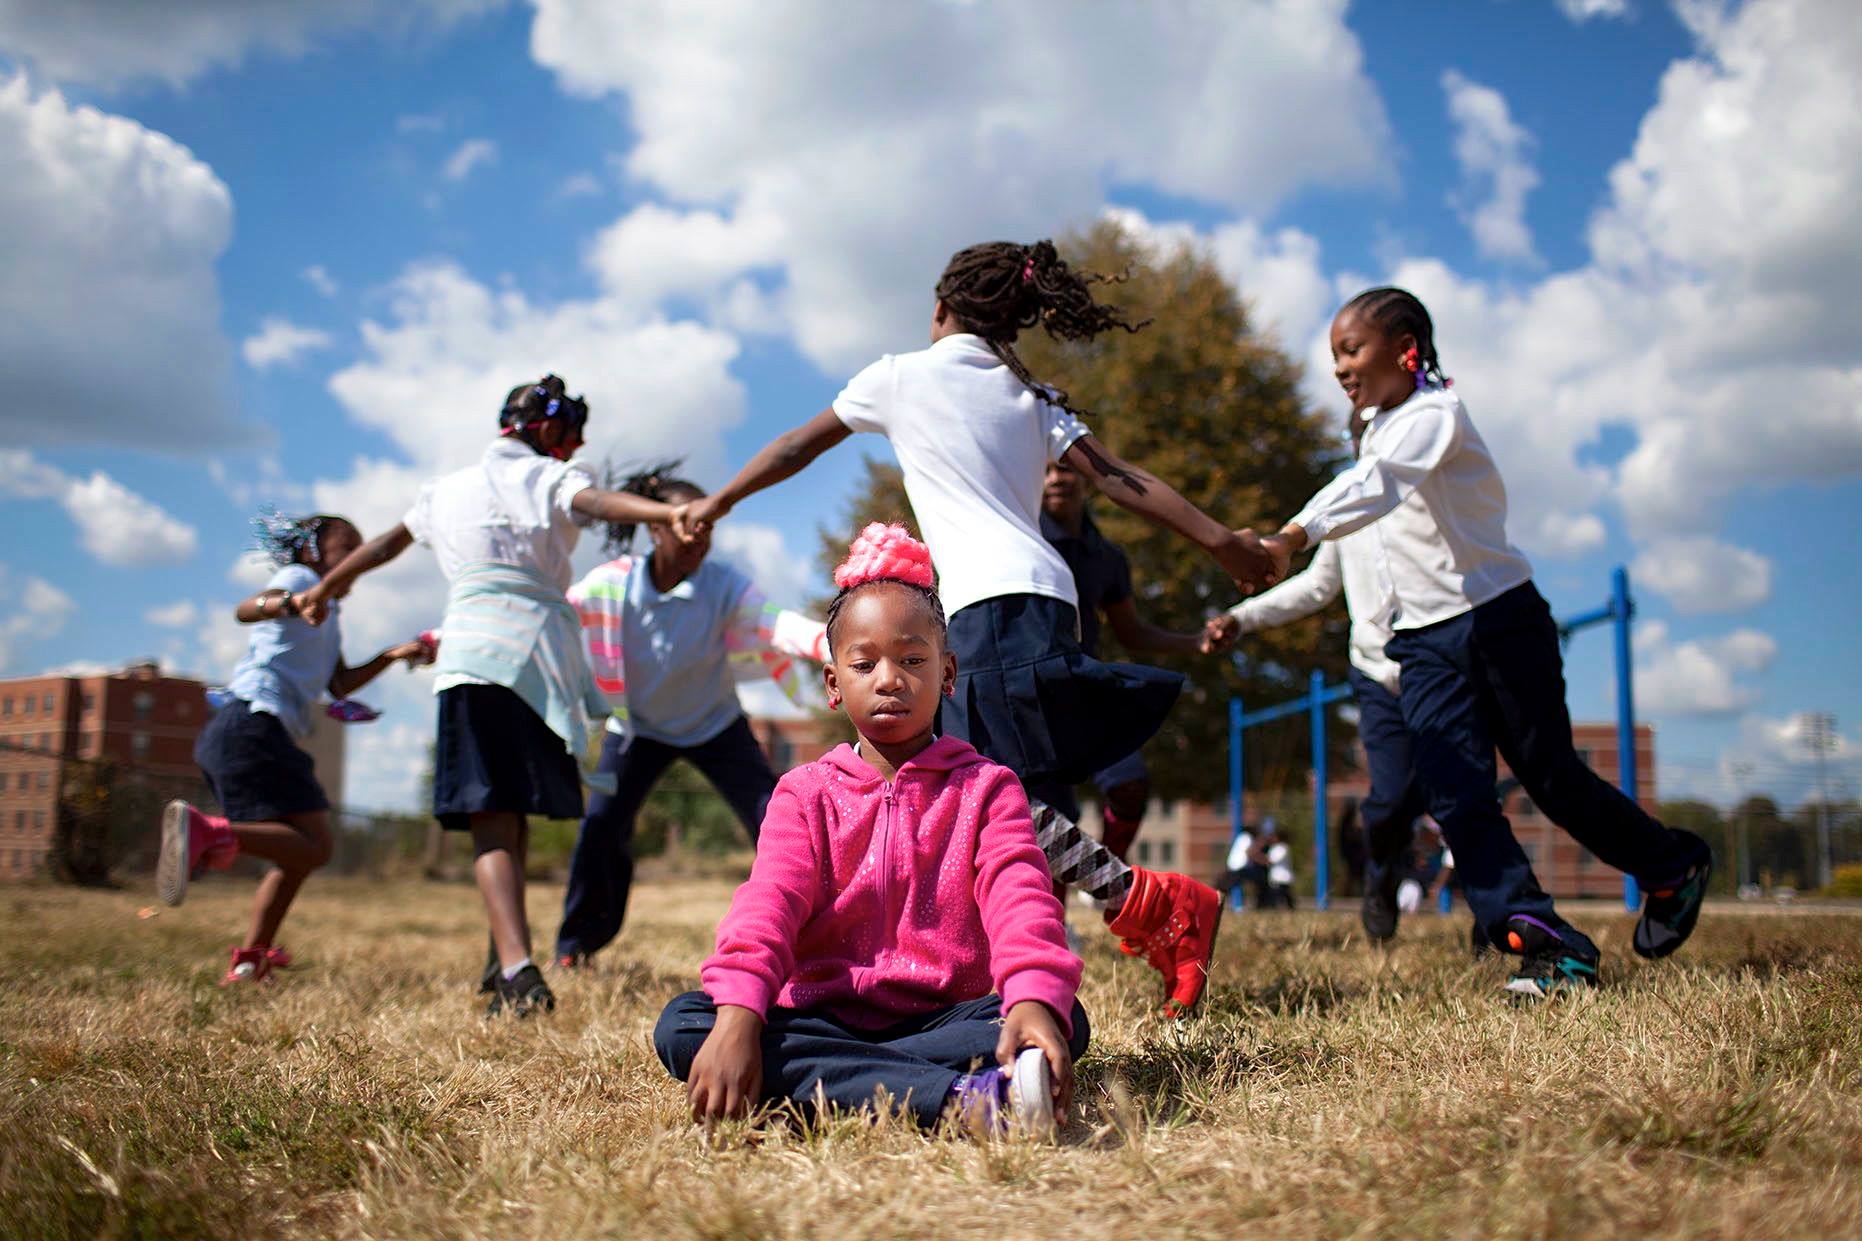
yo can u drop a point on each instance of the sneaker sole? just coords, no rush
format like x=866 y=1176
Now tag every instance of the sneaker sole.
x=1031 y=1095
x=171 y=868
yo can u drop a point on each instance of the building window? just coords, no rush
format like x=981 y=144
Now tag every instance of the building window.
x=1144 y=853
x=2 y=781
x=143 y=704
x=27 y=704
x=1166 y=852
x=48 y=704
x=38 y=818
x=45 y=779
x=139 y=745
x=6 y=706
x=90 y=702
x=19 y=820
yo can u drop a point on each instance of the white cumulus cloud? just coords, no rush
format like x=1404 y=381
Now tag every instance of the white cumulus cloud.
x=470 y=154
x=1704 y=676
x=116 y=525
x=1701 y=574
x=830 y=152
x=109 y=233
x=177 y=615
x=279 y=342
x=1497 y=172
x=33 y=610
x=1585 y=10
x=318 y=277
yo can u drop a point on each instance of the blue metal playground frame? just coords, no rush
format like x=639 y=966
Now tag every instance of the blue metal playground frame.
x=1619 y=612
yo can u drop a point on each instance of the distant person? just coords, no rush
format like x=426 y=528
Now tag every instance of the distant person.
x=1479 y=654
x=518 y=707
x=669 y=635
x=896 y=944
x=271 y=805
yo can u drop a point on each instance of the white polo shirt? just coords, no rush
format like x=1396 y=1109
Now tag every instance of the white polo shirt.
x=1447 y=550
x=974 y=444
x=1355 y=563
x=513 y=507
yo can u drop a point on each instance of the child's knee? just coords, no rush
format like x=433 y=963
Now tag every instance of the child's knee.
x=681 y=1031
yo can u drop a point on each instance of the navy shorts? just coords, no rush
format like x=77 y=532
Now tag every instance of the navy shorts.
x=257 y=773
x=1029 y=698
x=494 y=755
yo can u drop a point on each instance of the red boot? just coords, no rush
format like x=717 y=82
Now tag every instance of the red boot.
x=1171 y=921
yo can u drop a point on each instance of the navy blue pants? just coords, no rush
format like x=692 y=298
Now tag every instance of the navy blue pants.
x=1492 y=677
x=914 y=1061
x=601 y=871
x=1389 y=812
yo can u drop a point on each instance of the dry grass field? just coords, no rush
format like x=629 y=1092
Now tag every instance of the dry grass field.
x=1328 y=1090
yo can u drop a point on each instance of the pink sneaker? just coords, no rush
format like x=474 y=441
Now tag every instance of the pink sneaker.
x=278 y=957
x=191 y=843
x=249 y=965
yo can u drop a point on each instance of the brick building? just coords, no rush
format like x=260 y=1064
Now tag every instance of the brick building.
x=1193 y=837
x=137 y=722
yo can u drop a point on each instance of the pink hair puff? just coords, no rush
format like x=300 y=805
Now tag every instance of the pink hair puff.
x=885 y=553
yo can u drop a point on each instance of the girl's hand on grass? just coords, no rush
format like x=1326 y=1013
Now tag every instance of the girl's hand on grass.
x=727 y=1072
x=1033 y=1024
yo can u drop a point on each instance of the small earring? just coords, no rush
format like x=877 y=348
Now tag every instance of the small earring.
x=1410 y=362
x=833 y=702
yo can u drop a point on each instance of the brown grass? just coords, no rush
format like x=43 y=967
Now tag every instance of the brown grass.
x=1328 y=1090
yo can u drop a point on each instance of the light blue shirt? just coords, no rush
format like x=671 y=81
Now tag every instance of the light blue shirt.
x=289 y=662
x=680 y=690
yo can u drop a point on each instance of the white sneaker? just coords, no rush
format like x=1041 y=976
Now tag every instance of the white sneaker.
x=173 y=862
x=1031 y=1096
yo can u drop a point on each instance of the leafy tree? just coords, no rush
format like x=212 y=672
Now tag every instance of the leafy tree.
x=1214 y=409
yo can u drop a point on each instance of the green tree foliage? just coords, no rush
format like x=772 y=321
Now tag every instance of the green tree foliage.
x=1213 y=408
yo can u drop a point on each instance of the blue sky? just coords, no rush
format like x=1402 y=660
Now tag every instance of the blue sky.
x=270 y=252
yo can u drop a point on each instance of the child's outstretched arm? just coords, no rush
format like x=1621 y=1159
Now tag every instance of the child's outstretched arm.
x=620 y=506
x=1294 y=599
x=346 y=681
x=314 y=604
x=1237 y=551
x=786 y=455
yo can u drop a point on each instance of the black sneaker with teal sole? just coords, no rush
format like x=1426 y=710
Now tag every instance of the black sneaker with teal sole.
x=1670 y=911
x=524 y=994
x=1549 y=966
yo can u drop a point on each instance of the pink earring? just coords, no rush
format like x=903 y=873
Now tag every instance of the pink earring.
x=833 y=702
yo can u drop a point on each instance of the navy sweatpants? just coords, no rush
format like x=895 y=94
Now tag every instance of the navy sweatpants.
x=914 y=1061
x=1389 y=812
x=1491 y=677
x=601 y=871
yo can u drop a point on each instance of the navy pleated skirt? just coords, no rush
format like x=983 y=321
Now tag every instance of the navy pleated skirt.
x=1029 y=698
x=494 y=754
x=257 y=773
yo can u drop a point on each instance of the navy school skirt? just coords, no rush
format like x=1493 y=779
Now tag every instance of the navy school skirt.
x=257 y=773
x=495 y=755
x=1029 y=698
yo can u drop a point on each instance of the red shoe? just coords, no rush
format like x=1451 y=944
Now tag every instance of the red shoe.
x=278 y=958
x=249 y=965
x=1171 y=921
x=191 y=843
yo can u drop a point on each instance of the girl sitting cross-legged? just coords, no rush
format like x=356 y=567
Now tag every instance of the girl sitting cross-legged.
x=897 y=884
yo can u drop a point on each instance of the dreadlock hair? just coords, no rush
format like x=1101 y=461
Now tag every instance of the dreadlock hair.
x=659 y=481
x=1398 y=312
x=1000 y=287
x=292 y=540
x=886 y=555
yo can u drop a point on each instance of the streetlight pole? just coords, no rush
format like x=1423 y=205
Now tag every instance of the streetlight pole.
x=1820 y=735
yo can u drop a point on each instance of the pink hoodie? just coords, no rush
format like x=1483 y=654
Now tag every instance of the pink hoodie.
x=880 y=901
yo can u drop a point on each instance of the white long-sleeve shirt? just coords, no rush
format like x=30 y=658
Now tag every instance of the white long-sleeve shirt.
x=1447 y=551
x=1354 y=563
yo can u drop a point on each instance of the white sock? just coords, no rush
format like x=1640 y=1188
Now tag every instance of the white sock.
x=512 y=971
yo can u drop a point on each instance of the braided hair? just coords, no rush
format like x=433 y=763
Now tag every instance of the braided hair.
x=659 y=481
x=1398 y=312
x=886 y=555
x=1000 y=287
x=292 y=540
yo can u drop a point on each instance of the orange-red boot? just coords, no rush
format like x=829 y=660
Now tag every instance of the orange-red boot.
x=1171 y=921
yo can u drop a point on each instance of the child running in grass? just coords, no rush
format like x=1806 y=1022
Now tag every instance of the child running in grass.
x=669 y=636
x=974 y=433
x=896 y=883
x=1478 y=654
x=517 y=702
x=271 y=805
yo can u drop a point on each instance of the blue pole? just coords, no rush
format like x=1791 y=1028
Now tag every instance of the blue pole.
x=1234 y=787
x=1322 y=845
x=1446 y=901
x=1622 y=610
